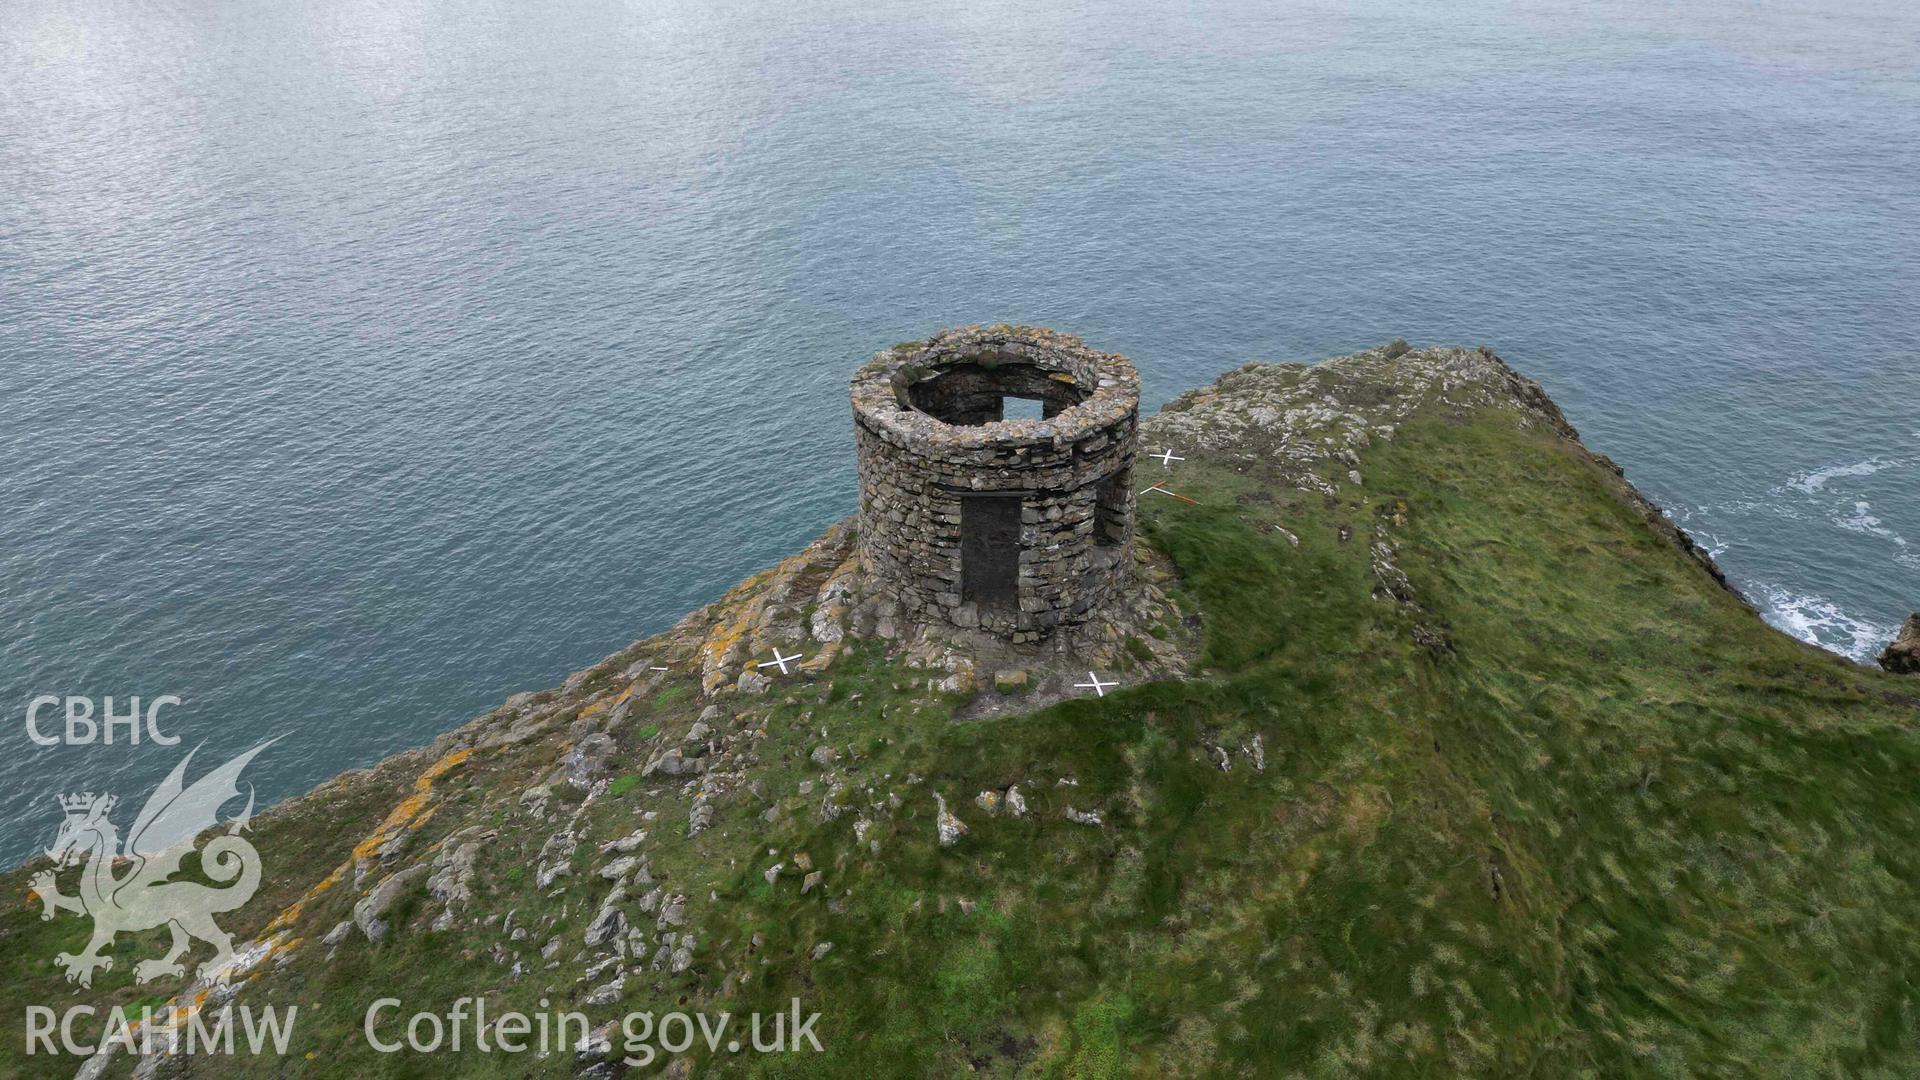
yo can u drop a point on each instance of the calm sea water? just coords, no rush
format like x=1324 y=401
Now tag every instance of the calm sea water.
x=362 y=363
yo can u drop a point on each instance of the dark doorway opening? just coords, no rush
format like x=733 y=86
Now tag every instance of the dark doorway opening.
x=990 y=550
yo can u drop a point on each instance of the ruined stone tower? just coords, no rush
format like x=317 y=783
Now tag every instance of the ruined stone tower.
x=1018 y=526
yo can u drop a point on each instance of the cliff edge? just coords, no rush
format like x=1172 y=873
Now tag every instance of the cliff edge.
x=1430 y=747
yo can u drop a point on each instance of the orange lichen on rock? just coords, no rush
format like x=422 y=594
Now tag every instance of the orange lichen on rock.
x=293 y=911
x=411 y=810
x=602 y=705
x=723 y=648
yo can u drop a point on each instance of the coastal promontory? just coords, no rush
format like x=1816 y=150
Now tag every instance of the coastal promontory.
x=1407 y=739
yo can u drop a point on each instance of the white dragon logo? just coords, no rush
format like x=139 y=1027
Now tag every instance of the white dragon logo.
x=143 y=898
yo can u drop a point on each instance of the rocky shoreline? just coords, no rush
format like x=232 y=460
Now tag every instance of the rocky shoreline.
x=1902 y=655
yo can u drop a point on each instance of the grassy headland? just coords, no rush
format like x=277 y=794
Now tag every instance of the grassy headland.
x=1480 y=773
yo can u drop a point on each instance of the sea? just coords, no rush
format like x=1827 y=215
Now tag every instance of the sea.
x=363 y=363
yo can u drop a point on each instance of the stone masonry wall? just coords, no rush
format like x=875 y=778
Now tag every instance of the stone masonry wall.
x=1072 y=473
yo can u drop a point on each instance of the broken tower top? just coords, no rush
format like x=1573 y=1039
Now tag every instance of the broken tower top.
x=1014 y=526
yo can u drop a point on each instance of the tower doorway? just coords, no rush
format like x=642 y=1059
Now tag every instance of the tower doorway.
x=990 y=550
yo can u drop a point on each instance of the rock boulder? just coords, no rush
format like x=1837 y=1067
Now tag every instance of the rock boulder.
x=1903 y=656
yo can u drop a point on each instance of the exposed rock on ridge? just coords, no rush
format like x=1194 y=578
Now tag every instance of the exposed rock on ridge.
x=1903 y=655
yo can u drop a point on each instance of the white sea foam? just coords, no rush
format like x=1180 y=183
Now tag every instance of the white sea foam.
x=1818 y=621
x=1691 y=520
x=1813 y=481
x=1862 y=520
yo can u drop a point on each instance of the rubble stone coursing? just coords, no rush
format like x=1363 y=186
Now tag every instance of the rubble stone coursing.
x=927 y=423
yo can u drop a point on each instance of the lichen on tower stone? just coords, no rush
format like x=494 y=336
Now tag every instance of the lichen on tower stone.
x=1014 y=526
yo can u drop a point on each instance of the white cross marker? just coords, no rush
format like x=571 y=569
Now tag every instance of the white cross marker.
x=657 y=667
x=1098 y=687
x=1167 y=458
x=779 y=661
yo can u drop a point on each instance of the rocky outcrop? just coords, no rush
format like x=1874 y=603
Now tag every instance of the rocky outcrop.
x=1903 y=656
x=369 y=914
x=1312 y=423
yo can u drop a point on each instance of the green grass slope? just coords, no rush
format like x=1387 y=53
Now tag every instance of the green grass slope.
x=1480 y=775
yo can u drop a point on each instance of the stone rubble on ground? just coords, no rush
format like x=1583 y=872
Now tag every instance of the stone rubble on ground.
x=949 y=827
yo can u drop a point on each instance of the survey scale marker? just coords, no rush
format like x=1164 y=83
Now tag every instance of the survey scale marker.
x=778 y=661
x=1099 y=688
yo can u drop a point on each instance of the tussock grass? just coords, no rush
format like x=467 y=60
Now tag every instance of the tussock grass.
x=1615 y=826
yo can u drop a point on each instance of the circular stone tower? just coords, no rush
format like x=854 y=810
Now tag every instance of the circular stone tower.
x=996 y=469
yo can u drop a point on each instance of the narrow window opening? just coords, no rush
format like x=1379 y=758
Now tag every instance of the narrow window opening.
x=1110 y=509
